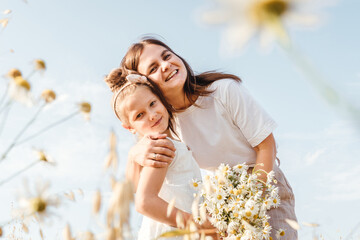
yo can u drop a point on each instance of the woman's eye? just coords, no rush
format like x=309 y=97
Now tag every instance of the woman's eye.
x=152 y=70
x=167 y=56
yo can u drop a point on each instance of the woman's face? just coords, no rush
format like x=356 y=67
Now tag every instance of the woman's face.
x=164 y=68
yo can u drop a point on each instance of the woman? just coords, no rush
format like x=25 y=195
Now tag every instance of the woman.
x=217 y=119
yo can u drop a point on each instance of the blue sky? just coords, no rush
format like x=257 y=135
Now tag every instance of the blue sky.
x=81 y=41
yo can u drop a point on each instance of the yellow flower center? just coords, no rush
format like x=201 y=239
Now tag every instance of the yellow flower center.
x=40 y=64
x=13 y=73
x=21 y=82
x=282 y=233
x=275 y=201
x=266 y=10
x=236 y=215
x=42 y=156
x=275 y=7
x=195 y=184
x=38 y=204
x=219 y=197
x=48 y=95
x=248 y=214
x=85 y=107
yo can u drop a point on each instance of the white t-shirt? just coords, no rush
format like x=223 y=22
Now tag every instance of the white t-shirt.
x=225 y=127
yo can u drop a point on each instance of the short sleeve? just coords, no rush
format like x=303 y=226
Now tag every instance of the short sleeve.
x=252 y=120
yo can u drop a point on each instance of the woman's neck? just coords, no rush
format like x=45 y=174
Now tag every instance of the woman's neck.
x=181 y=102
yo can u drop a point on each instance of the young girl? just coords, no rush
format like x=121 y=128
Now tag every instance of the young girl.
x=217 y=118
x=142 y=109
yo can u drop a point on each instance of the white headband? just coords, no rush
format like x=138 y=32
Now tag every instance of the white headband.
x=131 y=79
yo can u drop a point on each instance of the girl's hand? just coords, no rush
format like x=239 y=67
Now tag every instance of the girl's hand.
x=153 y=150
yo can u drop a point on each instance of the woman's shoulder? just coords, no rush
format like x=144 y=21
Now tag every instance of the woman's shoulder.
x=222 y=86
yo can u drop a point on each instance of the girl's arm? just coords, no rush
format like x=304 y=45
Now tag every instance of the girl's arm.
x=265 y=156
x=147 y=201
x=142 y=154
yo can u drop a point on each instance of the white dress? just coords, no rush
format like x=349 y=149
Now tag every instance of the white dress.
x=177 y=184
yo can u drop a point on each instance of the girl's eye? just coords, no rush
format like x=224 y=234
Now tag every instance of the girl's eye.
x=139 y=116
x=152 y=103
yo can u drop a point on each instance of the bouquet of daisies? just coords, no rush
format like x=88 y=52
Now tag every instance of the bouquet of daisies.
x=237 y=202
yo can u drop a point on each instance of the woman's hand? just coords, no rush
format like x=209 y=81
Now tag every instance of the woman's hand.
x=153 y=151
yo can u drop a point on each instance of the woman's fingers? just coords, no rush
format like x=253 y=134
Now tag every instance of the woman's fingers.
x=164 y=143
x=164 y=151
x=157 y=136
x=156 y=164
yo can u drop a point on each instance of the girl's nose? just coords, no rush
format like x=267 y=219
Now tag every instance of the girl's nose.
x=152 y=115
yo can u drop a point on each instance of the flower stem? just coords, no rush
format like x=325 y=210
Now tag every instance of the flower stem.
x=4 y=95
x=19 y=172
x=47 y=128
x=323 y=87
x=6 y=105
x=3 y=156
x=6 y=114
x=32 y=73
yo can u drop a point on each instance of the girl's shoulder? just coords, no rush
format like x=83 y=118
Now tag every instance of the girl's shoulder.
x=178 y=144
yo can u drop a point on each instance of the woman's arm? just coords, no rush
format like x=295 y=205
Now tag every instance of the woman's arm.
x=265 y=156
x=147 y=201
x=143 y=153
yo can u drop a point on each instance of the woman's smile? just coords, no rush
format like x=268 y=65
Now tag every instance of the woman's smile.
x=172 y=74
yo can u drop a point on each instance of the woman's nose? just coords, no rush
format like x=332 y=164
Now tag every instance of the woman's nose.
x=165 y=66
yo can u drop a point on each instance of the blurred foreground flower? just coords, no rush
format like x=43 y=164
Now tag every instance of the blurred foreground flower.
x=48 y=95
x=41 y=158
x=4 y=22
x=266 y=18
x=19 y=90
x=39 y=64
x=36 y=203
x=112 y=159
x=13 y=73
x=85 y=109
x=118 y=213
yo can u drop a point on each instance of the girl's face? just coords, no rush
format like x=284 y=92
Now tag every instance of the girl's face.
x=164 y=68
x=145 y=112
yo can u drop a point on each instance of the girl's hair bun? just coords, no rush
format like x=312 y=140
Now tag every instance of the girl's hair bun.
x=115 y=79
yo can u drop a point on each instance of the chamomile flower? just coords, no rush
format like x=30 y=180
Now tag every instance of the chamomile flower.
x=280 y=233
x=196 y=184
x=37 y=203
x=19 y=90
x=85 y=109
x=267 y=19
x=48 y=95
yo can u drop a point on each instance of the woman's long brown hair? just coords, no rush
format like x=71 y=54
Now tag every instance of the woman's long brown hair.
x=195 y=85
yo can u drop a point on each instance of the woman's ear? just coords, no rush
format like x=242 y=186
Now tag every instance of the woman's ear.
x=132 y=130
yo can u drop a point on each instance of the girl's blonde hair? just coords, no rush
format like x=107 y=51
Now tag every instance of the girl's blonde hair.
x=119 y=83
